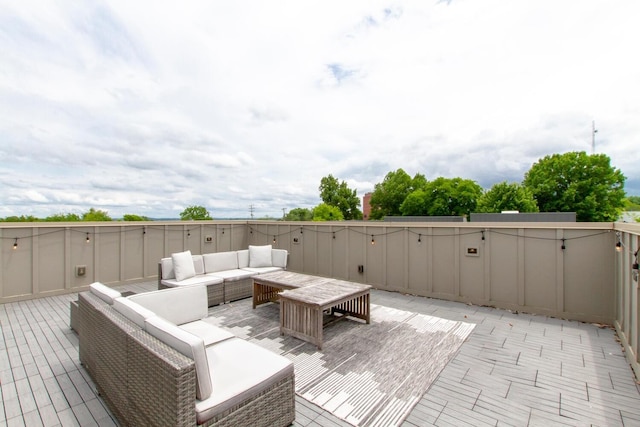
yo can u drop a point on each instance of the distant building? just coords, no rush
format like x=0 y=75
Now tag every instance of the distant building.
x=366 y=206
x=429 y=218
x=515 y=216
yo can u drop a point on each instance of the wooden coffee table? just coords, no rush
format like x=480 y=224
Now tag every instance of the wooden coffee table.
x=267 y=287
x=305 y=298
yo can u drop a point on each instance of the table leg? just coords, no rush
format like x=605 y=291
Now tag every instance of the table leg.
x=263 y=294
x=301 y=321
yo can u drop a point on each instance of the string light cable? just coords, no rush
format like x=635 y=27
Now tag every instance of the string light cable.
x=420 y=235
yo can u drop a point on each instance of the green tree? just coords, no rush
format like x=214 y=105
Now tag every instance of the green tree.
x=577 y=182
x=21 y=218
x=96 y=215
x=415 y=204
x=132 y=217
x=388 y=195
x=325 y=212
x=195 y=213
x=299 y=214
x=339 y=194
x=450 y=196
x=632 y=203
x=507 y=197
x=68 y=217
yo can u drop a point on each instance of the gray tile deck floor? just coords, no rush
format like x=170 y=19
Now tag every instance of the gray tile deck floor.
x=515 y=369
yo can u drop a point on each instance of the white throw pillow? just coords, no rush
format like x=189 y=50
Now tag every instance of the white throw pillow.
x=260 y=256
x=187 y=344
x=183 y=265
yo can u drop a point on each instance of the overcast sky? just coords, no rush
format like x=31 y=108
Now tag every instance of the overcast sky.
x=146 y=107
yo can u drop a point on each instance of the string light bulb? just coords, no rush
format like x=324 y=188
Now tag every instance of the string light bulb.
x=618 y=246
x=563 y=247
x=88 y=238
x=274 y=239
x=373 y=241
x=15 y=244
x=482 y=231
x=419 y=239
x=334 y=235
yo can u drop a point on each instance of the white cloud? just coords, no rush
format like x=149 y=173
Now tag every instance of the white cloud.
x=148 y=107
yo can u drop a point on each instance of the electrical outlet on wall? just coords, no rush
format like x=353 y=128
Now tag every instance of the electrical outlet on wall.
x=81 y=270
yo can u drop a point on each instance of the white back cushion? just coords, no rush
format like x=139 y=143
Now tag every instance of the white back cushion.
x=132 y=311
x=243 y=258
x=220 y=261
x=103 y=292
x=167 y=268
x=182 y=304
x=187 y=344
x=279 y=257
x=260 y=256
x=198 y=264
x=183 y=265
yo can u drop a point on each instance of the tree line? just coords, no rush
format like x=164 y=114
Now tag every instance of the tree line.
x=93 y=214
x=571 y=182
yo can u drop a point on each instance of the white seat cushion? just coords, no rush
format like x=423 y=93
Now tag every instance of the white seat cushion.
x=183 y=266
x=232 y=275
x=178 y=305
x=262 y=270
x=132 y=310
x=260 y=256
x=242 y=370
x=103 y=292
x=187 y=344
x=210 y=333
x=202 y=279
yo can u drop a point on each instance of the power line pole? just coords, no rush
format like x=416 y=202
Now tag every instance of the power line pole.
x=593 y=137
x=251 y=210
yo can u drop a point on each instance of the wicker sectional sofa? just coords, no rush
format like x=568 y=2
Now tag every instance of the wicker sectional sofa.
x=228 y=276
x=157 y=360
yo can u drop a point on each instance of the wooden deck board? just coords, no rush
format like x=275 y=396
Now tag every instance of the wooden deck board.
x=509 y=371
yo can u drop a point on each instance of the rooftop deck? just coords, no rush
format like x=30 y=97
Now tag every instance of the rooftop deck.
x=515 y=369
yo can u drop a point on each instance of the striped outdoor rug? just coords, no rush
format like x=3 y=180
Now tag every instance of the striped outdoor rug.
x=367 y=375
